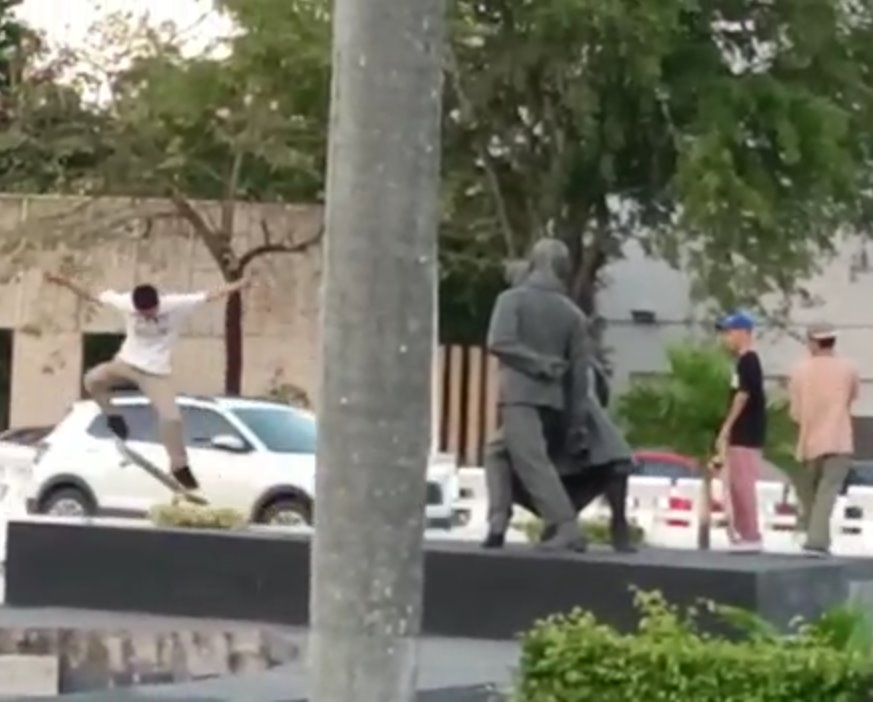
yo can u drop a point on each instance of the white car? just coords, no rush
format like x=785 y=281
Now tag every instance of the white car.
x=254 y=456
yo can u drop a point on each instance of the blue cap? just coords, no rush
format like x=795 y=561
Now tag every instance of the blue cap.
x=736 y=320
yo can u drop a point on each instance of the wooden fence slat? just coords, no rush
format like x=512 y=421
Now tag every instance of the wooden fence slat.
x=438 y=420
x=466 y=385
x=456 y=392
x=474 y=436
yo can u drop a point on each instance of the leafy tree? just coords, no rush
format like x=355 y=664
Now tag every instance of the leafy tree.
x=730 y=136
x=247 y=126
x=47 y=136
x=13 y=34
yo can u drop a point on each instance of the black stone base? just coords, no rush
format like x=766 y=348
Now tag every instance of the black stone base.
x=469 y=593
x=479 y=693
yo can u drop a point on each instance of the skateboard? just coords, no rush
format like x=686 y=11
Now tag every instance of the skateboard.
x=712 y=467
x=179 y=492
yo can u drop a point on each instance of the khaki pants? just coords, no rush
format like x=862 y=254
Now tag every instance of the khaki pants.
x=100 y=381
x=818 y=485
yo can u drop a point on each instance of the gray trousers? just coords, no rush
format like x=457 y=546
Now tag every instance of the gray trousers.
x=818 y=484
x=522 y=446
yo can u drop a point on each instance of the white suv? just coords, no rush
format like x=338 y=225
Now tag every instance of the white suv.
x=254 y=456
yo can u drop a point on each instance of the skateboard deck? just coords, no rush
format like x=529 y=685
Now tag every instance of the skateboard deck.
x=163 y=478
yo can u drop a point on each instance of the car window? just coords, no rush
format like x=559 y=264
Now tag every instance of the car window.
x=142 y=423
x=26 y=435
x=202 y=425
x=282 y=430
x=861 y=473
x=663 y=469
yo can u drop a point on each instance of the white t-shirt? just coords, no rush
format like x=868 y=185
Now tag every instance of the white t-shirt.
x=148 y=344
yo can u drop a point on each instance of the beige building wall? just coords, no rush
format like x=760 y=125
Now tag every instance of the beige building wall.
x=134 y=242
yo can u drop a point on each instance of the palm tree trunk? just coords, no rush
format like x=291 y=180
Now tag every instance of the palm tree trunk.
x=376 y=342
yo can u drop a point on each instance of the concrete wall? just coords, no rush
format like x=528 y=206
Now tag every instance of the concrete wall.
x=280 y=322
x=842 y=292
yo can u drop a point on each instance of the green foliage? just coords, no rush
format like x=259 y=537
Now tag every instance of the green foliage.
x=846 y=628
x=251 y=125
x=13 y=35
x=48 y=138
x=595 y=530
x=574 y=658
x=730 y=136
x=247 y=120
x=684 y=409
x=195 y=517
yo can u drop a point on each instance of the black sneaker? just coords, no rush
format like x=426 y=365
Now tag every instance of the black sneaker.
x=186 y=478
x=118 y=426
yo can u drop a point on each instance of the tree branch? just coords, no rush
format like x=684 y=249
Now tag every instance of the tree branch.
x=273 y=248
x=217 y=245
x=483 y=155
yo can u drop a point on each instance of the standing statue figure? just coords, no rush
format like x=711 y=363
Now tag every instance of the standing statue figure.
x=540 y=339
x=603 y=471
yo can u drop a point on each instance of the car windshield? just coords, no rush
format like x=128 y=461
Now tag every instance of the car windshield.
x=282 y=430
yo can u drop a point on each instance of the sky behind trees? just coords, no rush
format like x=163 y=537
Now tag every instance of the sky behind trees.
x=68 y=22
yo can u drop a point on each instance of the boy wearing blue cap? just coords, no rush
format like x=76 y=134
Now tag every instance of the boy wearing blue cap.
x=743 y=431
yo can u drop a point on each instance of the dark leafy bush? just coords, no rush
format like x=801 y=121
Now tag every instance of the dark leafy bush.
x=574 y=658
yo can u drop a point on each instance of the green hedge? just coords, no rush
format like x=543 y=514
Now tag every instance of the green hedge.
x=576 y=659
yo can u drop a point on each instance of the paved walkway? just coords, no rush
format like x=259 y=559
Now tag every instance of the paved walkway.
x=443 y=663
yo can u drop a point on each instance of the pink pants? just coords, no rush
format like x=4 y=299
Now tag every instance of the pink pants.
x=743 y=465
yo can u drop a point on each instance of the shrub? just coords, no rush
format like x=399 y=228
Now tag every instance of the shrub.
x=193 y=516
x=595 y=530
x=574 y=658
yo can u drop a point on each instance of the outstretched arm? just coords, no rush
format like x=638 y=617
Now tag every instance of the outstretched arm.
x=74 y=288
x=504 y=342
x=228 y=290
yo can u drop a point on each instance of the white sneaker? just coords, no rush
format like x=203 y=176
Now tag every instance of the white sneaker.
x=746 y=547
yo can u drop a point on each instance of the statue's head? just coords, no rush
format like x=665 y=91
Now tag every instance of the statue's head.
x=551 y=256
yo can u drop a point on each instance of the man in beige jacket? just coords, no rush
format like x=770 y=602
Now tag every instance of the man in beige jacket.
x=822 y=389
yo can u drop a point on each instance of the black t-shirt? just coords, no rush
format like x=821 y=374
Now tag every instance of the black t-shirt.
x=750 y=428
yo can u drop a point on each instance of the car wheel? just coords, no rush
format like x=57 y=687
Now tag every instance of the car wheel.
x=67 y=502
x=286 y=511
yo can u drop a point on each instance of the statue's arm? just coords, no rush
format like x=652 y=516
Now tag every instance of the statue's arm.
x=505 y=343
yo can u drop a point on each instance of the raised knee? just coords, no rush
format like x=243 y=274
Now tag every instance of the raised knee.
x=91 y=382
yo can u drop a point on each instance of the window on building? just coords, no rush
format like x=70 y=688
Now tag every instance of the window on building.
x=97 y=349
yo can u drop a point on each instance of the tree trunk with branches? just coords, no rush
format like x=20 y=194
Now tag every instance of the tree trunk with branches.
x=219 y=242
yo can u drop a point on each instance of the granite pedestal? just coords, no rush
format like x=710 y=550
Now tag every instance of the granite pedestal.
x=470 y=593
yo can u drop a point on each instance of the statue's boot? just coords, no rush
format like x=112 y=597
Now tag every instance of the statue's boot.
x=566 y=537
x=620 y=533
x=494 y=540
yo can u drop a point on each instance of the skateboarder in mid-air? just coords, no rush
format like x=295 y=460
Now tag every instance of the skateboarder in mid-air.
x=153 y=322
